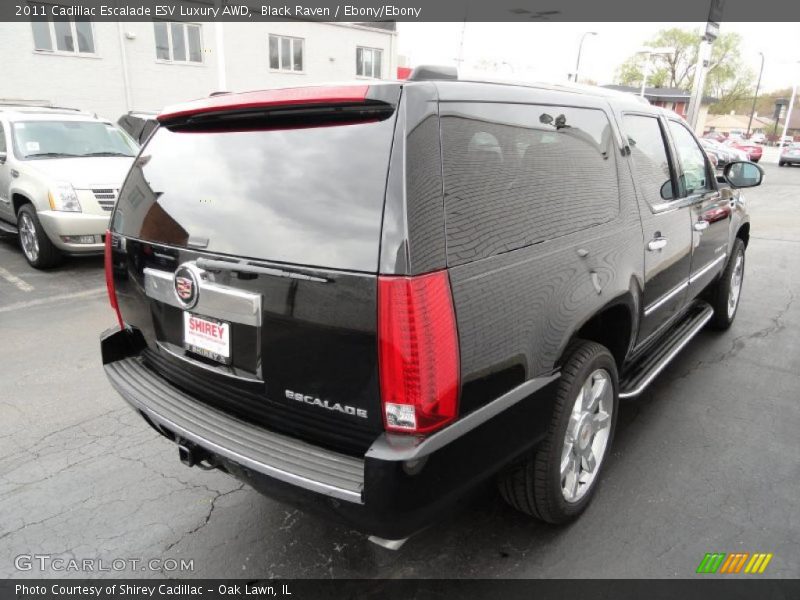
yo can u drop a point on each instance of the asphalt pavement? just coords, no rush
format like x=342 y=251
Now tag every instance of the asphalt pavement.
x=707 y=460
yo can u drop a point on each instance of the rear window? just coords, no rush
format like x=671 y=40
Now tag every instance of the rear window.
x=308 y=196
x=515 y=175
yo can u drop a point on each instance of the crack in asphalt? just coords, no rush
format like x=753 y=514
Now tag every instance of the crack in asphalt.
x=206 y=519
x=739 y=342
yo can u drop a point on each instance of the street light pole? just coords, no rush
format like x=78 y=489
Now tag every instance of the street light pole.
x=580 y=49
x=645 y=73
x=755 y=97
x=789 y=112
x=649 y=53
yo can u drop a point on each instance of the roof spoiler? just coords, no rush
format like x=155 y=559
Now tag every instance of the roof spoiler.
x=277 y=98
x=433 y=73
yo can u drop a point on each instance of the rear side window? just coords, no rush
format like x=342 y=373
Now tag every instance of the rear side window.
x=515 y=175
x=2 y=139
x=308 y=195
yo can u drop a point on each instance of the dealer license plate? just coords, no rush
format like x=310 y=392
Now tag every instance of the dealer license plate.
x=209 y=338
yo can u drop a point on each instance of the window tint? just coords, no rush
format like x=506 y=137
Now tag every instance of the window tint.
x=692 y=158
x=650 y=158
x=517 y=174
x=2 y=139
x=312 y=195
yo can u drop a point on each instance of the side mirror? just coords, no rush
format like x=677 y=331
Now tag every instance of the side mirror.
x=742 y=174
x=3 y=157
x=666 y=190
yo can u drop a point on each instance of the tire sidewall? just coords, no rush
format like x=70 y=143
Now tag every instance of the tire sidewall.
x=31 y=212
x=49 y=255
x=724 y=288
x=567 y=393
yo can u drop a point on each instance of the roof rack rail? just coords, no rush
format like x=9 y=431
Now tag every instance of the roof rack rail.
x=25 y=102
x=44 y=105
x=433 y=73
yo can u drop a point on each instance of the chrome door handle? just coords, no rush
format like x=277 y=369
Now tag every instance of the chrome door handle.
x=657 y=243
x=700 y=225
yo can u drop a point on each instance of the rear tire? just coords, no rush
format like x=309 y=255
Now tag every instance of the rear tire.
x=547 y=483
x=727 y=290
x=39 y=251
x=781 y=163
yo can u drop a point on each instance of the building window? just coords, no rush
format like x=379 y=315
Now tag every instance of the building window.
x=69 y=37
x=368 y=62
x=178 y=42
x=285 y=53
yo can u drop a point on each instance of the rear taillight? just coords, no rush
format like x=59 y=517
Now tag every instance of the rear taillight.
x=112 y=292
x=417 y=352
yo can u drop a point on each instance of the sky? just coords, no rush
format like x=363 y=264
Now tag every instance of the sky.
x=548 y=51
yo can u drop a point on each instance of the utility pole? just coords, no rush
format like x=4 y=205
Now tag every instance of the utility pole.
x=755 y=97
x=580 y=49
x=703 y=56
x=789 y=112
x=460 y=58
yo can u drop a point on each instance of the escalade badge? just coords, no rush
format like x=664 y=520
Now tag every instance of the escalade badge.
x=186 y=288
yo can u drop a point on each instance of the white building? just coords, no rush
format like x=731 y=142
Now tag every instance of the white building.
x=111 y=68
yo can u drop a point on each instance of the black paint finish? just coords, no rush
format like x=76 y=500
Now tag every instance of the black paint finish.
x=542 y=221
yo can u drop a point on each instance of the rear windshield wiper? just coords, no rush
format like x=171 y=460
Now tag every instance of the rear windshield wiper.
x=52 y=155
x=108 y=154
x=245 y=267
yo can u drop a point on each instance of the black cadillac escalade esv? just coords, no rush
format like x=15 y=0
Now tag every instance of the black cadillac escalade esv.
x=368 y=299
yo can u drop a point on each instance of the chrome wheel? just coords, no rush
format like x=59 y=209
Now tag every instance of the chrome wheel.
x=27 y=237
x=736 y=284
x=587 y=434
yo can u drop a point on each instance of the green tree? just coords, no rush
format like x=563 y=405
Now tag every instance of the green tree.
x=727 y=79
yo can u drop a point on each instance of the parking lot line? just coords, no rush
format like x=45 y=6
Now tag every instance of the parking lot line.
x=52 y=299
x=16 y=281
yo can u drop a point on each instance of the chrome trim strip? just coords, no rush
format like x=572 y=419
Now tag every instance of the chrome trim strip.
x=402 y=447
x=219 y=301
x=244 y=266
x=286 y=476
x=666 y=297
x=220 y=370
x=668 y=358
x=698 y=274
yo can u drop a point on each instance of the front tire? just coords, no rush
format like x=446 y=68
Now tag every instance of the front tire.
x=726 y=292
x=39 y=251
x=556 y=482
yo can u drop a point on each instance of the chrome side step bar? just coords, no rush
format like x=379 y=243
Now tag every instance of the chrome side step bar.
x=642 y=373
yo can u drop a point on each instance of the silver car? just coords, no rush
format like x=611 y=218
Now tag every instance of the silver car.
x=60 y=171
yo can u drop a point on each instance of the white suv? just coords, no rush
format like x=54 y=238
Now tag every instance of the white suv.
x=60 y=171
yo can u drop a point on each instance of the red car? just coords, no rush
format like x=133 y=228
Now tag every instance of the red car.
x=753 y=150
x=714 y=135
